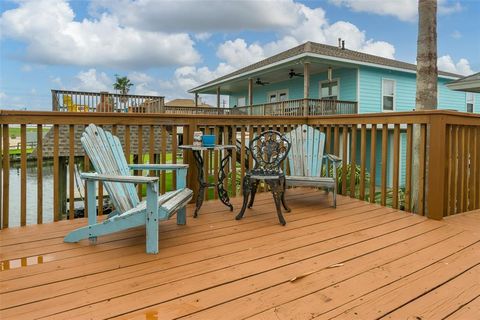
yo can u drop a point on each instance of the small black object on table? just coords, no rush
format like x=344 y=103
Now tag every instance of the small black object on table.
x=268 y=150
x=203 y=180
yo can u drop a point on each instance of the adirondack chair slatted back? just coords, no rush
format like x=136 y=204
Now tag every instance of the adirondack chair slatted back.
x=306 y=156
x=106 y=154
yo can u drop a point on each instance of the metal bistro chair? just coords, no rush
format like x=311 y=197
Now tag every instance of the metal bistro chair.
x=268 y=150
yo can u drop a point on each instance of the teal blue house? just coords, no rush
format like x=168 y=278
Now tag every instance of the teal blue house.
x=356 y=81
x=318 y=79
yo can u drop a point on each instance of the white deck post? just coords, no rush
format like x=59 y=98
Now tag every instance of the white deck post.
x=306 y=87
x=250 y=94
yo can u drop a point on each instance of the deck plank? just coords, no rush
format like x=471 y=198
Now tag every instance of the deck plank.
x=385 y=263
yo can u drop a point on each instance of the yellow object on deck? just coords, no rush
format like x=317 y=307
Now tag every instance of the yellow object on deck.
x=73 y=107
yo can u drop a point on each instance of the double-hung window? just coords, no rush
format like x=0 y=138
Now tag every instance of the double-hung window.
x=329 y=90
x=241 y=102
x=278 y=96
x=470 y=101
x=388 y=95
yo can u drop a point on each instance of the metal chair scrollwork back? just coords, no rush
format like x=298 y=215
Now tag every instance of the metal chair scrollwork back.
x=269 y=149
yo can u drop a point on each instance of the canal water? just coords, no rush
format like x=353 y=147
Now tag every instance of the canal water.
x=14 y=196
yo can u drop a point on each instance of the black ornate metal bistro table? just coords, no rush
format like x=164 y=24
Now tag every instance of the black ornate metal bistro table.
x=203 y=179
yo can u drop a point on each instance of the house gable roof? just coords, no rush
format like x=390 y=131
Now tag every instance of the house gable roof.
x=313 y=48
x=469 y=83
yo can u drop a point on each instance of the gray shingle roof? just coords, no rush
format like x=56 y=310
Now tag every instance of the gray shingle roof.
x=326 y=50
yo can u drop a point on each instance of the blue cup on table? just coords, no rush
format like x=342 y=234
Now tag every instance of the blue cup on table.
x=208 y=140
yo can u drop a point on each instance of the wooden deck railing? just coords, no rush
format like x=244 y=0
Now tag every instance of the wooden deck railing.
x=299 y=107
x=449 y=156
x=197 y=110
x=79 y=101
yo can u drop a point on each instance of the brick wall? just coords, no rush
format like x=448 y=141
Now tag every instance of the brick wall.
x=64 y=140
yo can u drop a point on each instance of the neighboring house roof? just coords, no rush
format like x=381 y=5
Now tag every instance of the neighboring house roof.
x=317 y=49
x=469 y=83
x=185 y=103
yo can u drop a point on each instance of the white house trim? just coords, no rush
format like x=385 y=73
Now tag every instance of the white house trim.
x=327 y=81
x=394 y=95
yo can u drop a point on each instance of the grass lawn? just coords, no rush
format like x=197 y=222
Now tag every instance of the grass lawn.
x=18 y=151
x=15 y=131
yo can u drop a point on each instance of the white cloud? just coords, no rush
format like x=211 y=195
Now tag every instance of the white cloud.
x=405 y=10
x=446 y=63
x=188 y=77
x=53 y=36
x=57 y=81
x=202 y=36
x=238 y=54
x=312 y=26
x=26 y=68
x=91 y=80
x=201 y=16
x=143 y=84
x=456 y=34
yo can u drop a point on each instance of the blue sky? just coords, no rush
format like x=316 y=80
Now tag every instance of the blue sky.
x=168 y=47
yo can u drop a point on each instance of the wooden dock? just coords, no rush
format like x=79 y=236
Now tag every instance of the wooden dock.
x=359 y=261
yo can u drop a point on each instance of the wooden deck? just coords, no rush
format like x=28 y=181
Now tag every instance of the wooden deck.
x=359 y=261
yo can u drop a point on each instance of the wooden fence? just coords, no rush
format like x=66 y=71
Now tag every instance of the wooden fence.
x=376 y=148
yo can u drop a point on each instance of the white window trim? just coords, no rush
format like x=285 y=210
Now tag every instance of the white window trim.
x=238 y=101
x=327 y=81
x=473 y=101
x=394 y=95
x=277 y=94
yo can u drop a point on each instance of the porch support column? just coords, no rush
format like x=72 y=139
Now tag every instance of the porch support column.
x=306 y=87
x=218 y=99
x=250 y=94
x=196 y=99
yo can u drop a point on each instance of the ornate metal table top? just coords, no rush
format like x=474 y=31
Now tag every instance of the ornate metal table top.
x=201 y=148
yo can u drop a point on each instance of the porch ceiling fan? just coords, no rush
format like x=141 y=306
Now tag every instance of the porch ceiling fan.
x=292 y=74
x=260 y=82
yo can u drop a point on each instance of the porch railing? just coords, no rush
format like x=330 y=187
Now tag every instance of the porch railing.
x=78 y=101
x=299 y=107
x=197 y=110
x=376 y=148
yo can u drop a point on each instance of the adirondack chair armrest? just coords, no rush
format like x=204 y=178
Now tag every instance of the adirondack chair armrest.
x=115 y=178
x=154 y=166
x=333 y=158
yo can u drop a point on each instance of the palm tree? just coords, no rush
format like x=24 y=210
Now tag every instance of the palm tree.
x=427 y=75
x=122 y=84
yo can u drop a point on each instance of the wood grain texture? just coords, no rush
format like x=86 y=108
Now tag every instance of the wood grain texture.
x=39 y=174
x=373 y=162
x=359 y=258
x=5 y=176
x=71 y=172
x=383 y=187
x=56 y=172
x=396 y=166
x=23 y=175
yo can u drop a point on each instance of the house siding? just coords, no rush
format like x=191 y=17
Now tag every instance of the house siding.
x=371 y=89
x=405 y=91
x=449 y=99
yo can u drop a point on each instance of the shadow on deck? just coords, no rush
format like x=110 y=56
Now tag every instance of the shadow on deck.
x=359 y=261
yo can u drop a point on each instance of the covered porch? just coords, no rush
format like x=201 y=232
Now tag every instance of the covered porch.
x=289 y=84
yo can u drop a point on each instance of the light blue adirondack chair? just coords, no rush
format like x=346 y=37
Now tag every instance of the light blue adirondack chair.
x=106 y=154
x=306 y=158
